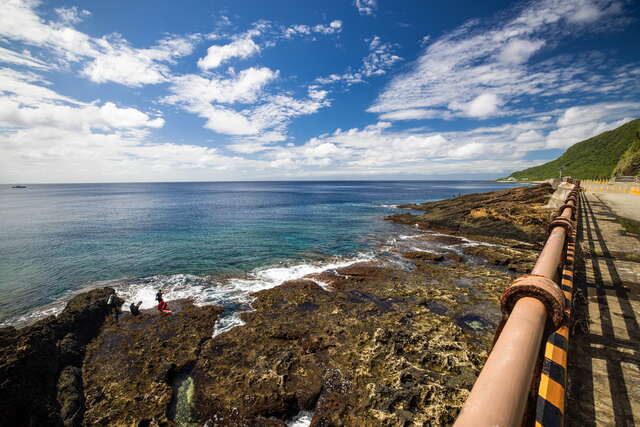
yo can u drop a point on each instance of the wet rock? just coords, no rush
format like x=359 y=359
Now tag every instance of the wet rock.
x=70 y=396
x=521 y=261
x=424 y=256
x=516 y=213
x=71 y=350
x=371 y=352
x=130 y=366
x=32 y=358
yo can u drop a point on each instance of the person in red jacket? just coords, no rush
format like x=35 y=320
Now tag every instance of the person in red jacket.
x=162 y=306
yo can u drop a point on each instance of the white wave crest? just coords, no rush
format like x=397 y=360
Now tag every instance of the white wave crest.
x=302 y=419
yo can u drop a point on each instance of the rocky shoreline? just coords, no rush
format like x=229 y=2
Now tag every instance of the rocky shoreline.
x=381 y=343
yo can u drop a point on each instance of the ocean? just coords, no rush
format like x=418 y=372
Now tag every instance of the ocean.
x=215 y=242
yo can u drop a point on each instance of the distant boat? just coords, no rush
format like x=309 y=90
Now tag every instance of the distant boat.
x=19 y=186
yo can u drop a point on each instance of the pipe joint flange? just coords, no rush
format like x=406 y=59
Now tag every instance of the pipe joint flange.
x=541 y=288
x=563 y=222
x=573 y=210
x=572 y=198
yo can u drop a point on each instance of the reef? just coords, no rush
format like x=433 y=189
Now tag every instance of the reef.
x=394 y=342
x=517 y=214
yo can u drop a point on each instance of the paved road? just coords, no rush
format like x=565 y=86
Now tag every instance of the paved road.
x=622 y=204
x=604 y=359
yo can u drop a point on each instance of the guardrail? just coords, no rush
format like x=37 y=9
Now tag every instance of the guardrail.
x=535 y=310
x=605 y=186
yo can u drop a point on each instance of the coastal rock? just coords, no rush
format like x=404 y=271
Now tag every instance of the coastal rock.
x=516 y=213
x=424 y=256
x=130 y=368
x=521 y=261
x=32 y=358
x=372 y=351
x=432 y=256
x=70 y=396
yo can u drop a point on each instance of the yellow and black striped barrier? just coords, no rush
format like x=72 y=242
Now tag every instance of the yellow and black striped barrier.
x=550 y=406
x=603 y=186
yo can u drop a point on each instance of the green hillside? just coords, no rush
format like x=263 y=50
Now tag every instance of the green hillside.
x=597 y=157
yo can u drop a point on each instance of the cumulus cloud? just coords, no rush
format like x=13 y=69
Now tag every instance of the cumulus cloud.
x=105 y=117
x=582 y=122
x=380 y=149
x=484 y=105
x=120 y=63
x=239 y=105
x=244 y=87
x=217 y=54
x=20 y=22
x=32 y=106
x=48 y=137
x=483 y=71
x=366 y=7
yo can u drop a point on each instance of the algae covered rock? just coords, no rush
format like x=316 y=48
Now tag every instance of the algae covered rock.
x=369 y=351
x=515 y=213
x=130 y=368
x=32 y=359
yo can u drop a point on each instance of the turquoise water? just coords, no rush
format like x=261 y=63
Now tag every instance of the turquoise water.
x=58 y=239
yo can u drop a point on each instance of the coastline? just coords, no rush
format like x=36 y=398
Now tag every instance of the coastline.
x=337 y=349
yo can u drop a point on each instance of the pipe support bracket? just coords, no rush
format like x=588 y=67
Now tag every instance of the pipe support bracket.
x=538 y=287
x=563 y=222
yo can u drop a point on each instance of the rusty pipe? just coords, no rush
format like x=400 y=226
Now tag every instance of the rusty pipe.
x=551 y=255
x=499 y=395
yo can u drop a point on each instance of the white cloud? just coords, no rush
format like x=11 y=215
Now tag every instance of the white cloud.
x=29 y=88
x=108 y=116
x=458 y=68
x=379 y=60
x=243 y=87
x=217 y=54
x=48 y=137
x=582 y=122
x=123 y=64
x=518 y=51
x=111 y=57
x=379 y=149
x=262 y=115
x=19 y=21
x=413 y=114
x=530 y=136
x=484 y=105
x=589 y=11
x=366 y=7
x=71 y=15
x=33 y=106
x=333 y=27
x=22 y=58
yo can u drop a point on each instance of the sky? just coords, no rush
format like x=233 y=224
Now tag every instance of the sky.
x=122 y=91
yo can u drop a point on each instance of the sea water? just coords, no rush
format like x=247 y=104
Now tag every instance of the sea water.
x=214 y=242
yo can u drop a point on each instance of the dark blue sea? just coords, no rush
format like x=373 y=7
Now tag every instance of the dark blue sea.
x=216 y=242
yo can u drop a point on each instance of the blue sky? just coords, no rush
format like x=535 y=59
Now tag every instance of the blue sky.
x=367 y=89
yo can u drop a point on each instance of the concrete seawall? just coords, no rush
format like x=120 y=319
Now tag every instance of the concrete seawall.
x=559 y=196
